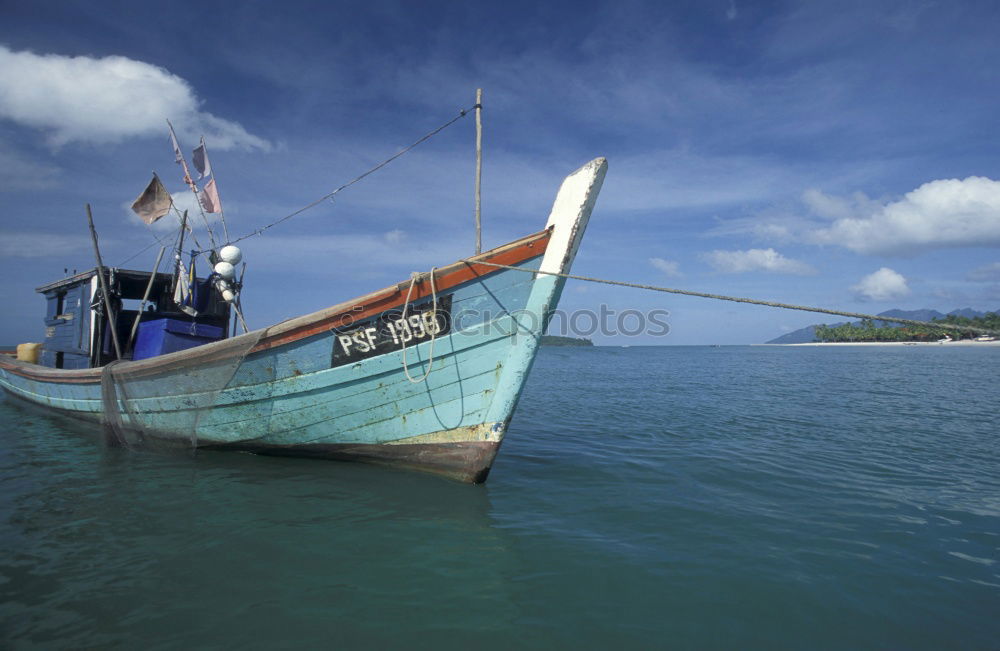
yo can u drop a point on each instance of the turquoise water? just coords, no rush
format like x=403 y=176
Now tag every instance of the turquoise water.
x=734 y=497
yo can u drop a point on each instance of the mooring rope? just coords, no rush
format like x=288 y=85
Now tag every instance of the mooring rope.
x=406 y=306
x=753 y=301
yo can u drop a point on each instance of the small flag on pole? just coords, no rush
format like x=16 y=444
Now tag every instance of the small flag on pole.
x=210 y=198
x=200 y=159
x=179 y=157
x=153 y=203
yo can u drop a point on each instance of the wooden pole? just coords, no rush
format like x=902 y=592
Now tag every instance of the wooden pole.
x=238 y=305
x=240 y=315
x=479 y=168
x=178 y=257
x=222 y=213
x=145 y=297
x=112 y=322
x=190 y=182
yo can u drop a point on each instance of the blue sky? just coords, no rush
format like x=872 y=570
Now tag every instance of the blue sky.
x=842 y=154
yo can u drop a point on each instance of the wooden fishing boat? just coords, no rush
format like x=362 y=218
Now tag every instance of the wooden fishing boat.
x=425 y=374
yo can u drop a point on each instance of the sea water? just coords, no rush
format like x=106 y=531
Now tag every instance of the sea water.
x=668 y=497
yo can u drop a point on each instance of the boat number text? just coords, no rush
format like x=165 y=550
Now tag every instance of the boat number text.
x=391 y=331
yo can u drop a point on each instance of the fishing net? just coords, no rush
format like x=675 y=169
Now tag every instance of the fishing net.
x=165 y=401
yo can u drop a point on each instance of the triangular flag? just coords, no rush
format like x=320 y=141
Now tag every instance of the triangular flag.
x=153 y=203
x=200 y=159
x=210 y=198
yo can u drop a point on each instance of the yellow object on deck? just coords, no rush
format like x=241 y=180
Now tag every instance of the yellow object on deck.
x=29 y=353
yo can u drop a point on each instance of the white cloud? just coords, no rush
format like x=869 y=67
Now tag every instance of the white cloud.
x=668 y=267
x=83 y=99
x=942 y=213
x=830 y=207
x=882 y=285
x=756 y=260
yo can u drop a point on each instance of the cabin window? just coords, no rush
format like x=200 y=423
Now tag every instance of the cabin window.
x=59 y=359
x=60 y=303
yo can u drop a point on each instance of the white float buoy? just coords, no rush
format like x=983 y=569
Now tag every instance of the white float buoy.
x=231 y=254
x=225 y=269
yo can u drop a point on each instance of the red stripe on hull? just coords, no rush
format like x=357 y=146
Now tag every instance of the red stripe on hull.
x=318 y=322
x=394 y=297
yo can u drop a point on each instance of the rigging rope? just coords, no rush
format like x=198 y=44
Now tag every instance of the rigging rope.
x=135 y=255
x=406 y=306
x=737 y=299
x=157 y=240
x=329 y=195
x=461 y=114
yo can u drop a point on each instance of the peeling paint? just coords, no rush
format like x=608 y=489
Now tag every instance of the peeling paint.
x=492 y=432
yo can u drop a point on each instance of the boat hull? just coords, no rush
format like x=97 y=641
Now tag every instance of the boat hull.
x=347 y=382
x=465 y=461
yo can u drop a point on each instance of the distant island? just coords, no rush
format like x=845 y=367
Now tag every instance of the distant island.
x=883 y=331
x=553 y=340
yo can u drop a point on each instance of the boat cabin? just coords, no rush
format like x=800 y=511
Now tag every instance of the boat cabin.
x=78 y=332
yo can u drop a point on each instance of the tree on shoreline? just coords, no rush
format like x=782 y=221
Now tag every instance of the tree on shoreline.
x=867 y=330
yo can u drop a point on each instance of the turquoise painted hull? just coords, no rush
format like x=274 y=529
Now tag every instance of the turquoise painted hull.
x=279 y=391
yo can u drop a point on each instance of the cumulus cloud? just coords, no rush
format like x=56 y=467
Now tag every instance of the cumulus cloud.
x=942 y=213
x=756 y=260
x=84 y=99
x=827 y=206
x=669 y=267
x=882 y=285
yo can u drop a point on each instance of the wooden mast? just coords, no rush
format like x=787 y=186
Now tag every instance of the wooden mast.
x=112 y=321
x=479 y=168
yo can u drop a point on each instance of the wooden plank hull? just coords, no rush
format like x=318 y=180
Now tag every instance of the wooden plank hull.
x=333 y=384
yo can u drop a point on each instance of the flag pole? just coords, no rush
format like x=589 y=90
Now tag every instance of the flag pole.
x=190 y=182
x=238 y=305
x=222 y=211
x=479 y=168
x=180 y=252
x=104 y=286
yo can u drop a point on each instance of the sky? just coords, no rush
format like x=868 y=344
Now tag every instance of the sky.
x=837 y=154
